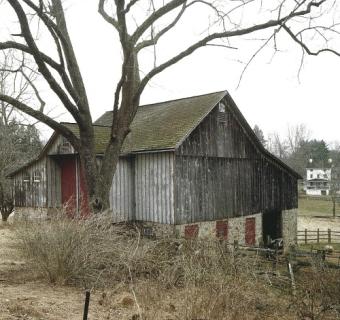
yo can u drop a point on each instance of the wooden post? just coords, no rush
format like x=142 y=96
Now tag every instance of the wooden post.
x=329 y=235
x=235 y=245
x=318 y=235
x=305 y=236
x=292 y=279
x=86 y=306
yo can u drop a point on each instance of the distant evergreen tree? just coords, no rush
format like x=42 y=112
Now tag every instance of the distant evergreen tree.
x=259 y=134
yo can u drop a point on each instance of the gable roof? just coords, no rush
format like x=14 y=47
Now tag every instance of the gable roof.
x=162 y=125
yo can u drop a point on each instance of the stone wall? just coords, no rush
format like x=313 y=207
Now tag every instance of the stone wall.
x=28 y=213
x=289 y=227
x=236 y=229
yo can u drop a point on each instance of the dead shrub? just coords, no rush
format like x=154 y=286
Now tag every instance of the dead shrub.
x=318 y=292
x=73 y=251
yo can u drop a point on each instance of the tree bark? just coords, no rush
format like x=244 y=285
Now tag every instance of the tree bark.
x=99 y=180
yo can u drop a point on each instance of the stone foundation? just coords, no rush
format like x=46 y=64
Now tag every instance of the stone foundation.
x=289 y=227
x=29 y=213
x=236 y=229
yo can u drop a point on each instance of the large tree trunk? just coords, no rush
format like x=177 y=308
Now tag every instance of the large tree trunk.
x=121 y=122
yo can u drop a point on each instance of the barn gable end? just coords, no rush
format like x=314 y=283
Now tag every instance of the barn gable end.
x=222 y=171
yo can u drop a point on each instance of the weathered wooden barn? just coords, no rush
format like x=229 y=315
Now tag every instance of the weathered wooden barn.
x=192 y=165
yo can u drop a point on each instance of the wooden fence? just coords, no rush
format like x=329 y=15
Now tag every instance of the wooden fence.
x=318 y=236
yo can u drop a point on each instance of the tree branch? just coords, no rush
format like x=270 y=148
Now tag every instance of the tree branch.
x=59 y=32
x=25 y=30
x=18 y=46
x=106 y=17
x=130 y=5
x=154 y=17
x=305 y=47
x=155 y=39
x=225 y=34
x=43 y=118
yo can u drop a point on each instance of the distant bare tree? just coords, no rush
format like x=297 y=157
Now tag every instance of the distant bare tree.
x=277 y=145
x=296 y=136
x=141 y=25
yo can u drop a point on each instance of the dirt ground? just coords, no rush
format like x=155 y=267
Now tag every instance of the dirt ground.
x=322 y=223
x=23 y=296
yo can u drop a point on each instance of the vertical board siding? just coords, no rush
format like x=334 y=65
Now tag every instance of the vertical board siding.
x=154 y=187
x=32 y=192
x=53 y=183
x=121 y=201
x=221 y=173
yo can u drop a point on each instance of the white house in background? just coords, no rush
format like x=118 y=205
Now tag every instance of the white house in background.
x=318 y=181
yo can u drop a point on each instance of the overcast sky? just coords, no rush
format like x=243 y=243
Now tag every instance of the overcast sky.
x=270 y=94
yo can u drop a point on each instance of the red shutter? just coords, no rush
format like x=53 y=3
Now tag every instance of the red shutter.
x=250 y=231
x=191 y=231
x=222 y=230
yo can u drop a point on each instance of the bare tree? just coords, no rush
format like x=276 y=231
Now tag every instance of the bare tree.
x=140 y=24
x=296 y=136
x=277 y=145
x=18 y=142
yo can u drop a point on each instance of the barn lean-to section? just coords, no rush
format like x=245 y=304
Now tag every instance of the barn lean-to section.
x=193 y=164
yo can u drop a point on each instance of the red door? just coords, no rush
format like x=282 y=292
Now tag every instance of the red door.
x=250 y=231
x=69 y=185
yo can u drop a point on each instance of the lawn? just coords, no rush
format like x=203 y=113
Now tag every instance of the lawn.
x=310 y=206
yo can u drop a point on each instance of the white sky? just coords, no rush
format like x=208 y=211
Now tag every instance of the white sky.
x=269 y=95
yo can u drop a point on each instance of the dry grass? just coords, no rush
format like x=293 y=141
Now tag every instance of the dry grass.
x=171 y=278
x=315 y=206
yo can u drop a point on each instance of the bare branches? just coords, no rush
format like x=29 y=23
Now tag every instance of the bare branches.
x=41 y=117
x=157 y=14
x=59 y=32
x=305 y=47
x=106 y=16
x=25 y=30
x=18 y=46
x=155 y=38
x=280 y=22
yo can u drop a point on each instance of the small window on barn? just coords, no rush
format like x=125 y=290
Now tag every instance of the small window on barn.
x=221 y=113
x=36 y=176
x=221 y=107
x=26 y=177
x=311 y=176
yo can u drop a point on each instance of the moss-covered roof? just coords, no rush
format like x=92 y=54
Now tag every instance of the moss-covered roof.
x=161 y=125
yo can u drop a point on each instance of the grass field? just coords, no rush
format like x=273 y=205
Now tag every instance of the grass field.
x=317 y=207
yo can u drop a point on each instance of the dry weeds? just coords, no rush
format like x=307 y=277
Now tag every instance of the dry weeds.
x=137 y=278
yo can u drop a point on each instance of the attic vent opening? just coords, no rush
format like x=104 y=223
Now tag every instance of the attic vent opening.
x=65 y=146
x=221 y=113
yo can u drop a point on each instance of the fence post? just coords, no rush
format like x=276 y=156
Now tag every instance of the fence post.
x=329 y=235
x=305 y=236
x=318 y=235
x=86 y=305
